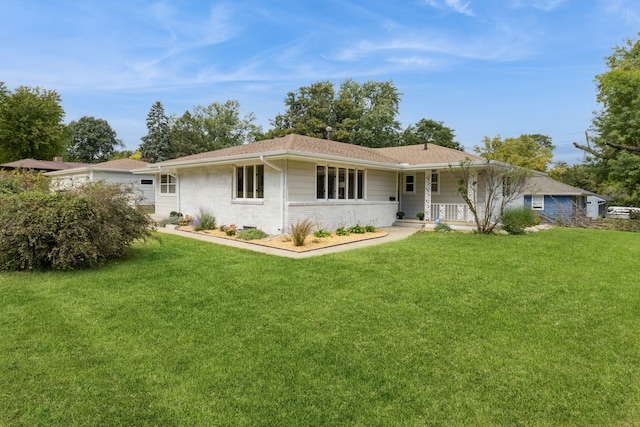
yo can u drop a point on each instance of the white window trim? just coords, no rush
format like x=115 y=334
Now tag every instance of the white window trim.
x=437 y=174
x=172 y=182
x=533 y=204
x=244 y=181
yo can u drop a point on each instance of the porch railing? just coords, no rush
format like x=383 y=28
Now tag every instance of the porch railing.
x=450 y=212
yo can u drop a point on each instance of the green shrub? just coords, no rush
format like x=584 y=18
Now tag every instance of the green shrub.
x=300 y=231
x=634 y=215
x=341 y=231
x=442 y=227
x=357 y=229
x=321 y=233
x=370 y=228
x=20 y=180
x=252 y=234
x=81 y=228
x=204 y=220
x=515 y=220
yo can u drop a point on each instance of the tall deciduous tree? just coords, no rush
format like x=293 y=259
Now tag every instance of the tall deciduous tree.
x=223 y=126
x=430 y=131
x=529 y=151
x=613 y=141
x=212 y=127
x=156 y=145
x=363 y=114
x=92 y=140
x=31 y=124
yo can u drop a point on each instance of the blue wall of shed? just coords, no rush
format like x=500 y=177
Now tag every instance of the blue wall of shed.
x=556 y=208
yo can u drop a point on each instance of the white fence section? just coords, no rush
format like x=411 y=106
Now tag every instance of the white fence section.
x=450 y=212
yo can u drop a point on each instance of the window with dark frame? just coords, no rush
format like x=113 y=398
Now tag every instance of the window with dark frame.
x=409 y=183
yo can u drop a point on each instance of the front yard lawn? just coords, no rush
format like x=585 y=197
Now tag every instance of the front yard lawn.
x=439 y=329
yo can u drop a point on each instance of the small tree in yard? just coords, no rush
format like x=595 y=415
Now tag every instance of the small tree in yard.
x=501 y=185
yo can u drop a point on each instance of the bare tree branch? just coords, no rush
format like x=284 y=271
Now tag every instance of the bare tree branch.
x=588 y=150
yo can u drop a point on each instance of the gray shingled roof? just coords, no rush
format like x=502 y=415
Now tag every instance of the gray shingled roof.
x=543 y=185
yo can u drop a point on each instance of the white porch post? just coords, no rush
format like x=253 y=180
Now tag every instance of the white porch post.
x=427 y=195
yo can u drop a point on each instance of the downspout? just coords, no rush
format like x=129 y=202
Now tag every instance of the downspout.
x=282 y=185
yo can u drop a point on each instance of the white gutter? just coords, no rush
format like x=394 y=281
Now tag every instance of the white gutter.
x=271 y=165
x=282 y=187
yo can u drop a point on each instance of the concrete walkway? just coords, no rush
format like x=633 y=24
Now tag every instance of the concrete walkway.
x=393 y=233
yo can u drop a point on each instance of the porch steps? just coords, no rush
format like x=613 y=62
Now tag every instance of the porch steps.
x=411 y=223
x=419 y=225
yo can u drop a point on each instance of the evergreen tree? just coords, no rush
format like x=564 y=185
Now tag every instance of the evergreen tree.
x=156 y=145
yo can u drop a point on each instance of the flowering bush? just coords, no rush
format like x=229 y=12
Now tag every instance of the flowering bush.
x=185 y=221
x=230 y=230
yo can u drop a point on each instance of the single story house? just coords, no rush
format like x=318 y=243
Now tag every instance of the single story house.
x=559 y=202
x=41 y=165
x=275 y=183
x=112 y=171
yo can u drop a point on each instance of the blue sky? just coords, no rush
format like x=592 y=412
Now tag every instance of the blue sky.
x=482 y=67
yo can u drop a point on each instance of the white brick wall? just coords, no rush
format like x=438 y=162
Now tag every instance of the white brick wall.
x=211 y=188
x=331 y=215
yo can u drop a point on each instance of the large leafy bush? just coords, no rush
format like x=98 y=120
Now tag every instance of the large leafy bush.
x=19 y=180
x=515 y=220
x=61 y=231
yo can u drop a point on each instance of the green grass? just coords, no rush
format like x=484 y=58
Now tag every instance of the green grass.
x=439 y=329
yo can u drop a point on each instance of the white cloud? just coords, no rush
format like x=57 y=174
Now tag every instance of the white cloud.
x=629 y=11
x=544 y=5
x=457 y=6
x=492 y=47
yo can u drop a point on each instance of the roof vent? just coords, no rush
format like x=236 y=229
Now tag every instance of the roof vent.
x=329 y=129
x=58 y=159
x=426 y=146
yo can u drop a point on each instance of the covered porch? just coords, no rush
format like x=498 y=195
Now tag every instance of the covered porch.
x=434 y=193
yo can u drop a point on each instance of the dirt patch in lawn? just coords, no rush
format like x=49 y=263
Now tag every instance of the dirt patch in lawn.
x=286 y=243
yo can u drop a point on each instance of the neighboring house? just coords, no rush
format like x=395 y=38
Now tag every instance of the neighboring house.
x=112 y=171
x=275 y=183
x=41 y=165
x=559 y=202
